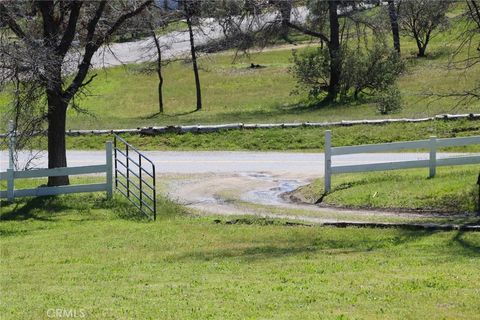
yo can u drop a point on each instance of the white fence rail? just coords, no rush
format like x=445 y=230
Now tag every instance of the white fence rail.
x=10 y=175
x=432 y=162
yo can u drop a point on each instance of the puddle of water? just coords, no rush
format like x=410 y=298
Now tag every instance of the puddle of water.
x=268 y=195
x=272 y=195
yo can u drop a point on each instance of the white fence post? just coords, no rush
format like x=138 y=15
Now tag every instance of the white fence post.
x=433 y=156
x=328 y=160
x=108 y=154
x=11 y=145
x=10 y=184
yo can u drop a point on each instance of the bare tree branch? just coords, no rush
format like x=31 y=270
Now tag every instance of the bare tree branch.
x=69 y=34
x=7 y=19
x=308 y=31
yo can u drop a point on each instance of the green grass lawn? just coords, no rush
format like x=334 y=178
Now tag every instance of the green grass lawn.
x=84 y=253
x=453 y=189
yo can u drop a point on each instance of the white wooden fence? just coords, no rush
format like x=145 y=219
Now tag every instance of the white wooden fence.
x=432 y=144
x=10 y=175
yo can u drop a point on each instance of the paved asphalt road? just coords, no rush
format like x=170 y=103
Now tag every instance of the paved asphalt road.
x=176 y=43
x=232 y=162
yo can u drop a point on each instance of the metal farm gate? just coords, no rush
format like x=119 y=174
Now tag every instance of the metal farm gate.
x=135 y=177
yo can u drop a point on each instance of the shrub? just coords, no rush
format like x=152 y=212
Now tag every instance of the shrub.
x=375 y=70
x=389 y=100
x=367 y=71
x=311 y=69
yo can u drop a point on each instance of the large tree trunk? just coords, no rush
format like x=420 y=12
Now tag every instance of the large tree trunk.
x=194 y=64
x=334 y=51
x=57 y=157
x=422 y=45
x=392 y=12
x=421 y=51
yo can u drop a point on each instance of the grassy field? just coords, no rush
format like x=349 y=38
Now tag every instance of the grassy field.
x=95 y=257
x=126 y=96
x=454 y=189
x=123 y=97
x=304 y=139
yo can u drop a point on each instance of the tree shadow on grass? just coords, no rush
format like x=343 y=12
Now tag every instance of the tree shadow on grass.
x=25 y=209
x=437 y=53
x=304 y=109
x=277 y=112
x=156 y=114
x=80 y=207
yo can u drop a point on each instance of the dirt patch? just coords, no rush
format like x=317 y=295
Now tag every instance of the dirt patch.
x=261 y=194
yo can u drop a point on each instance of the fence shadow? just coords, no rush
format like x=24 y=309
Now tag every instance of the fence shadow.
x=274 y=248
x=466 y=244
x=276 y=111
